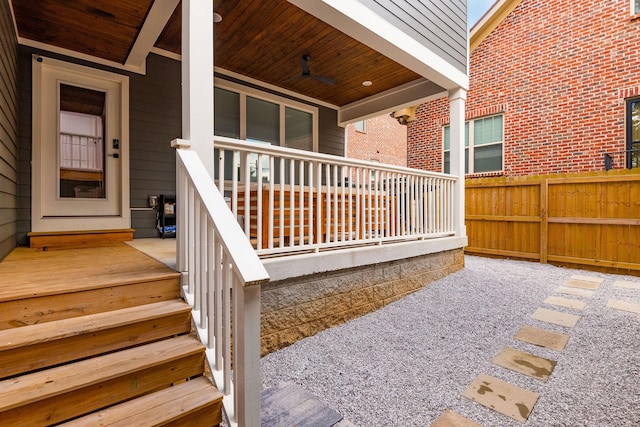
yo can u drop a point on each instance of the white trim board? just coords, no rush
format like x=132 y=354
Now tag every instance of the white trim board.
x=305 y=264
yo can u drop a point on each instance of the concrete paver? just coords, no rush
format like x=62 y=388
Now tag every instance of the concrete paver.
x=542 y=337
x=575 y=291
x=502 y=397
x=593 y=279
x=626 y=284
x=565 y=302
x=453 y=419
x=525 y=363
x=555 y=317
x=624 y=306
x=582 y=284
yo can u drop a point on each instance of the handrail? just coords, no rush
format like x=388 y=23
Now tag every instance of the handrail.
x=215 y=258
x=311 y=202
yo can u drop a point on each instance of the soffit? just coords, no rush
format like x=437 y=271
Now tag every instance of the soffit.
x=261 y=39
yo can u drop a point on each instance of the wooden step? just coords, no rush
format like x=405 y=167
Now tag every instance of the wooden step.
x=52 y=343
x=47 y=286
x=56 y=240
x=192 y=403
x=69 y=391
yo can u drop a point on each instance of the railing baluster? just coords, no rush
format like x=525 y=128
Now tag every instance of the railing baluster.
x=301 y=202
x=310 y=220
x=271 y=204
x=281 y=208
x=292 y=203
x=226 y=321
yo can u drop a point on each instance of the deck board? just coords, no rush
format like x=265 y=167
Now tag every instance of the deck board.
x=28 y=273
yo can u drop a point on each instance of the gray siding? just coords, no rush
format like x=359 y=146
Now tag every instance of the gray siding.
x=441 y=25
x=155 y=119
x=8 y=133
x=332 y=136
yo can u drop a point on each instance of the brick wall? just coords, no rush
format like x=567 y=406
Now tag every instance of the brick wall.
x=560 y=72
x=384 y=141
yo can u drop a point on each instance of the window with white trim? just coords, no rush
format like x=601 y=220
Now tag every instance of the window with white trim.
x=483 y=142
x=361 y=126
x=635 y=7
x=256 y=116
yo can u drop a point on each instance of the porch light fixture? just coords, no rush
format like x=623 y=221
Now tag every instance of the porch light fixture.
x=367 y=83
x=217 y=18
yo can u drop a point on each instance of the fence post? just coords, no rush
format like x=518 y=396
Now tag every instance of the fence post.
x=544 y=219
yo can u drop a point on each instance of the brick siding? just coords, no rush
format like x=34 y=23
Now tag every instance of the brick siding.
x=384 y=141
x=560 y=71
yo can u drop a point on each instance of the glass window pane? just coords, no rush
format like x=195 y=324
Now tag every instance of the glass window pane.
x=478 y=132
x=487 y=131
x=497 y=128
x=226 y=113
x=466 y=134
x=298 y=131
x=466 y=160
x=447 y=162
x=263 y=121
x=487 y=159
x=447 y=137
x=637 y=8
x=635 y=121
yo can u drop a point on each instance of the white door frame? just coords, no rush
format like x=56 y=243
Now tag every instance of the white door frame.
x=48 y=213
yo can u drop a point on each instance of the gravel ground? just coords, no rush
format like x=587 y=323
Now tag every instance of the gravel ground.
x=405 y=364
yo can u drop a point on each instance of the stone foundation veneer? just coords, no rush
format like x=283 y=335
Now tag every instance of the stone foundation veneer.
x=300 y=307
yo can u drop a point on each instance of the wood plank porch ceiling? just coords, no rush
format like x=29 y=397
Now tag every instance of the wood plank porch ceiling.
x=261 y=39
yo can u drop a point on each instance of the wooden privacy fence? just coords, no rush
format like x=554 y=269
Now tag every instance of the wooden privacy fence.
x=591 y=220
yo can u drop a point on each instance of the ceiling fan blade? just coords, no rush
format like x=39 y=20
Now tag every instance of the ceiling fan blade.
x=304 y=64
x=326 y=80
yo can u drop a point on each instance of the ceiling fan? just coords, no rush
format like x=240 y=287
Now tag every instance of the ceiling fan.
x=304 y=64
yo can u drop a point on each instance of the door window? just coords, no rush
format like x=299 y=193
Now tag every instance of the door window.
x=81 y=143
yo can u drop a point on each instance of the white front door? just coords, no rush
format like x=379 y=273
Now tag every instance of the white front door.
x=80 y=148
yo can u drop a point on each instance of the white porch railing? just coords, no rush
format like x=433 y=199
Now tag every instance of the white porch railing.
x=219 y=261
x=290 y=200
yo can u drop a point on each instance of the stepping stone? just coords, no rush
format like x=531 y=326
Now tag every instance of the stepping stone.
x=575 y=291
x=582 y=284
x=593 y=279
x=542 y=337
x=624 y=306
x=288 y=404
x=502 y=397
x=625 y=284
x=525 y=363
x=453 y=419
x=555 y=317
x=565 y=302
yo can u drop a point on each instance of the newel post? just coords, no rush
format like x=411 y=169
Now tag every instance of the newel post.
x=247 y=349
x=457 y=99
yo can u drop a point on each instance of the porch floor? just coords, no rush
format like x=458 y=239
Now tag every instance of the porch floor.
x=26 y=271
x=468 y=350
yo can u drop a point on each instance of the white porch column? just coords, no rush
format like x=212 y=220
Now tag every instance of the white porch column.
x=197 y=78
x=457 y=98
